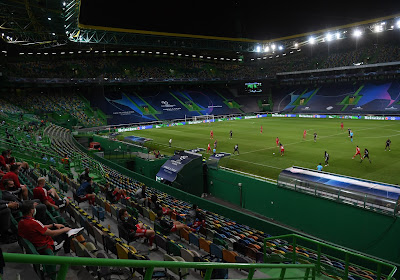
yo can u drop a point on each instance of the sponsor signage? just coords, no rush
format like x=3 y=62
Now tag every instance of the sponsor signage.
x=170 y=169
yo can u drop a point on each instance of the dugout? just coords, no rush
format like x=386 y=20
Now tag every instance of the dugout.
x=184 y=171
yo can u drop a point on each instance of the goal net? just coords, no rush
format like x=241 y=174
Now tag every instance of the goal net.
x=207 y=118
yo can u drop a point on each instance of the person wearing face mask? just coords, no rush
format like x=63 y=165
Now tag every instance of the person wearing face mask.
x=114 y=194
x=134 y=228
x=53 y=237
x=10 y=195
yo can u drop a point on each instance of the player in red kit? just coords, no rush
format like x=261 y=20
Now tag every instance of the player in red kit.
x=358 y=152
x=261 y=129
x=277 y=141
x=341 y=126
x=304 y=134
x=211 y=134
x=208 y=148
x=282 y=149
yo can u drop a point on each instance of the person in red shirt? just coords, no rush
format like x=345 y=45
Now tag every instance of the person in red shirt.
x=211 y=134
x=261 y=129
x=341 y=125
x=304 y=134
x=13 y=175
x=277 y=141
x=48 y=197
x=358 y=152
x=282 y=149
x=3 y=163
x=41 y=236
x=208 y=148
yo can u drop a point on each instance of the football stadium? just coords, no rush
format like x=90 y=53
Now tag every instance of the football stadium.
x=159 y=141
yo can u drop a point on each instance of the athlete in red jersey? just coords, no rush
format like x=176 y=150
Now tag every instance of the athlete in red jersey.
x=341 y=125
x=282 y=149
x=358 y=152
x=304 y=134
x=208 y=148
x=211 y=134
x=261 y=129
x=277 y=141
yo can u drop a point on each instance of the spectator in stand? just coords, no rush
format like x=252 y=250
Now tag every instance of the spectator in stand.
x=84 y=177
x=49 y=197
x=22 y=190
x=10 y=196
x=3 y=164
x=11 y=160
x=141 y=196
x=85 y=191
x=53 y=236
x=170 y=225
x=195 y=219
x=157 y=207
x=6 y=209
x=114 y=194
x=134 y=228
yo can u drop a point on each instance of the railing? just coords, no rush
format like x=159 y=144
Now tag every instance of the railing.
x=348 y=255
x=66 y=262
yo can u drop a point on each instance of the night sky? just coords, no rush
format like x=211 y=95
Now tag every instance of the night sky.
x=241 y=19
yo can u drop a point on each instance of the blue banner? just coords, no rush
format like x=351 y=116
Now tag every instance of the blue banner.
x=218 y=156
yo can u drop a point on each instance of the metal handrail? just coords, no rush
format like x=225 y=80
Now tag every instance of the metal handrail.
x=66 y=262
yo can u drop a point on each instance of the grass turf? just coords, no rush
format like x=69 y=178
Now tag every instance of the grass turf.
x=256 y=149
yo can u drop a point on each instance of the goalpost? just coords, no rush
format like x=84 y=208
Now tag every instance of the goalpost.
x=207 y=118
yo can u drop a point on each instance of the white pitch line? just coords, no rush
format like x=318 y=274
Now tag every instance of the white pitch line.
x=320 y=137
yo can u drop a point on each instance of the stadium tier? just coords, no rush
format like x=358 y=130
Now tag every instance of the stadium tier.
x=353 y=98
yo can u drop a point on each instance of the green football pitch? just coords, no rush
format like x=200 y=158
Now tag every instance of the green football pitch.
x=259 y=154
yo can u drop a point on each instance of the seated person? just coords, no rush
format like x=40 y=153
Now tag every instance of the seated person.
x=169 y=224
x=11 y=160
x=85 y=192
x=141 y=196
x=10 y=196
x=50 y=197
x=3 y=164
x=134 y=228
x=157 y=207
x=6 y=208
x=65 y=161
x=84 y=177
x=44 y=237
x=195 y=219
x=114 y=194
x=22 y=190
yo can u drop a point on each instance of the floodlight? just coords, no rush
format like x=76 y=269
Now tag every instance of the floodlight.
x=280 y=48
x=378 y=28
x=296 y=45
x=266 y=49
x=21 y=53
x=338 y=35
x=357 y=33
x=383 y=23
x=64 y=4
x=311 y=40
x=329 y=37
x=200 y=56
x=273 y=47
x=111 y=51
x=258 y=49
x=398 y=24
x=49 y=18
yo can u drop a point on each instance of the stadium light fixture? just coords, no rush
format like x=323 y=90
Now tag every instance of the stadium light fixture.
x=280 y=48
x=222 y=58
x=311 y=40
x=208 y=57
x=228 y=59
x=119 y=51
x=87 y=51
x=240 y=59
x=21 y=53
x=46 y=53
x=252 y=59
x=273 y=47
x=64 y=4
x=328 y=37
x=337 y=35
x=62 y=53
x=112 y=51
x=49 y=18
x=200 y=56
x=258 y=49
x=79 y=51
x=296 y=45
x=398 y=24
x=142 y=52
x=266 y=49
x=357 y=33
x=71 y=52
x=193 y=55
x=127 y=51
x=96 y=51
x=378 y=28
x=104 y=51
x=215 y=58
